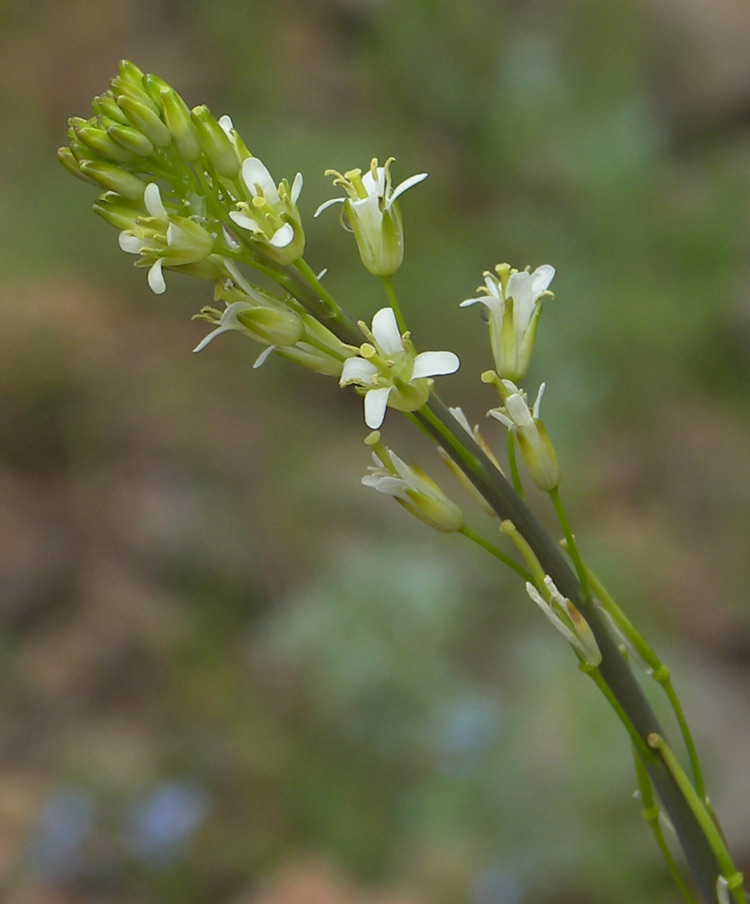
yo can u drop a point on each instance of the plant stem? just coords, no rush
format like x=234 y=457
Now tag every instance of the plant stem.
x=614 y=670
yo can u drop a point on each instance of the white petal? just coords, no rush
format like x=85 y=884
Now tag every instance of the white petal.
x=263 y=356
x=458 y=414
x=369 y=216
x=376 y=401
x=388 y=484
x=283 y=236
x=243 y=221
x=156 y=280
x=210 y=337
x=501 y=416
x=357 y=370
x=433 y=364
x=538 y=401
x=541 y=278
x=327 y=204
x=153 y=202
x=296 y=187
x=226 y=123
x=518 y=411
x=256 y=176
x=386 y=331
x=406 y=185
x=374 y=185
x=128 y=242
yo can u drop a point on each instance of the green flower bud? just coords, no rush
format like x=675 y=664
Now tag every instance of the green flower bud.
x=98 y=140
x=117 y=212
x=113 y=178
x=121 y=88
x=129 y=72
x=178 y=120
x=143 y=118
x=273 y=325
x=153 y=86
x=106 y=105
x=131 y=139
x=71 y=164
x=215 y=142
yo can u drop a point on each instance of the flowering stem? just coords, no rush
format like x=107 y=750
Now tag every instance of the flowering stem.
x=616 y=676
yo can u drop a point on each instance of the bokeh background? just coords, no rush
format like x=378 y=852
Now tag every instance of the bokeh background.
x=230 y=673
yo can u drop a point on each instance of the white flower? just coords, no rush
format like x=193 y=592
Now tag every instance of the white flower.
x=410 y=486
x=163 y=240
x=514 y=302
x=271 y=213
x=371 y=212
x=533 y=439
x=391 y=372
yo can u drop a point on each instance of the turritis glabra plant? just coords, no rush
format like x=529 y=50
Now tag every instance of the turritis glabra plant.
x=186 y=194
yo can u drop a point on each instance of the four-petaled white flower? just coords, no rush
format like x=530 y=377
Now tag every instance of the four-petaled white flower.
x=514 y=303
x=413 y=489
x=533 y=439
x=163 y=240
x=371 y=212
x=391 y=372
x=271 y=213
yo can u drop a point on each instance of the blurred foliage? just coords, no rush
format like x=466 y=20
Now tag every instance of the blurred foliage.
x=230 y=673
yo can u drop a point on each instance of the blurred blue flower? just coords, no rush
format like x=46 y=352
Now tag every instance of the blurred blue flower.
x=497 y=885
x=467 y=728
x=160 y=826
x=56 y=850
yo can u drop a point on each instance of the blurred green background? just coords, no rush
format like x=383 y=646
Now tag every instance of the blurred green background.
x=230 y=673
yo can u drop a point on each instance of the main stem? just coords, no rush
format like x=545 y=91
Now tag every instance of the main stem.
x=613 y=668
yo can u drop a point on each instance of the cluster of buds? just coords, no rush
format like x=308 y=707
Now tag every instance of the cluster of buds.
x=186 y=194
x=174 y=178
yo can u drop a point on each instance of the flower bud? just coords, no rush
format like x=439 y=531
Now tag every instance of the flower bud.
x=143 y=118
x=179 y=123
x=131 y=139
x=113 y=178
x=72 y=165
x=273 y=325
x=98 y=140
x=215 y=142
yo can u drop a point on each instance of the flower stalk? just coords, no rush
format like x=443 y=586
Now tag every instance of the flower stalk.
x=187 y=195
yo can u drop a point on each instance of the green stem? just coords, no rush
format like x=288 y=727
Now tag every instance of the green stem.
x=710 y=829
x=652 y=815
x=513 y=465
x=497 y=553
x=660 y=673
x=572 y=546
x=615 y=672
x=393 y=302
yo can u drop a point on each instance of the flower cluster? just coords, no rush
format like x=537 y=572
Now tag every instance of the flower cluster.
x=181 y=185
